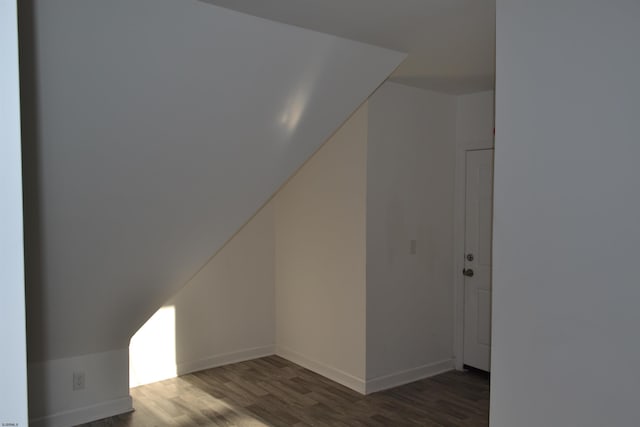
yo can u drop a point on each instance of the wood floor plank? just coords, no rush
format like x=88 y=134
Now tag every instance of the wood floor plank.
x=273 y=392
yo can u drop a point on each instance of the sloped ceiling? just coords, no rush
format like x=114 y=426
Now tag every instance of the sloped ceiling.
x=153 y=130
x=451 y=43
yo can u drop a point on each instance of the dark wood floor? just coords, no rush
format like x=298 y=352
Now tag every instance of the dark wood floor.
x=275 y=392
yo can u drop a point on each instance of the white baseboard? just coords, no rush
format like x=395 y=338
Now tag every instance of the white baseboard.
x=224 y=359
x=410 y=375
x=332 y=373
x=85 y=414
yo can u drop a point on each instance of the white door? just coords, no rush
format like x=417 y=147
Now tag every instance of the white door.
x=477 y=258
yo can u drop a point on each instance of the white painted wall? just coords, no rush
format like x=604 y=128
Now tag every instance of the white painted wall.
x=54 y=403
x=231 y=301
x=475 y=120
x=566 y=231
x=224 y=314
x=159 y=135
x=13 y=353
x=320 y=217
x=227 y=312
x=152 y=350
x=410 y=184
x=314 y=232
x=155 y=129
x=474 y=131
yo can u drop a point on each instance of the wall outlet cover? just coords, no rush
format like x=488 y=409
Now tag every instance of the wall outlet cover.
x=78 y=381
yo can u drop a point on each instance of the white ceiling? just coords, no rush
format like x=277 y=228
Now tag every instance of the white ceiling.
x=451 y=43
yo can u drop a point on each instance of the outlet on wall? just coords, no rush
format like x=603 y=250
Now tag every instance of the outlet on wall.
x=78 y=380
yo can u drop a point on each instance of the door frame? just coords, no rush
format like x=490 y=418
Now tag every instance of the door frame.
x=458 y=243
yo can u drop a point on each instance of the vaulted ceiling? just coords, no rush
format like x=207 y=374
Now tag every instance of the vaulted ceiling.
x=451 y=43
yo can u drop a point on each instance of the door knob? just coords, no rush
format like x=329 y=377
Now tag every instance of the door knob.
x=467 y=272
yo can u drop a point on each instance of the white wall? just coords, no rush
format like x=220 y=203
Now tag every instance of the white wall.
x=566 y=229
x=13 y=356
x=159 y=135
x=320 y=217
x=227 y=313
x=231 y=301
x=224 y=314
x=54 y=403
x=474 y=131
x=410 y=184
x=155 y=129
x=475 y=120
x=314 y=230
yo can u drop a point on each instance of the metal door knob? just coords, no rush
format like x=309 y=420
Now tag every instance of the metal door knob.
x=467 y=272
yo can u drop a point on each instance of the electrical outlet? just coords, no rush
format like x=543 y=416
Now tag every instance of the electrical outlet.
x=78 y=380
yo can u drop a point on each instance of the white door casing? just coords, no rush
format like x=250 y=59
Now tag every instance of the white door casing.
x=477 y=258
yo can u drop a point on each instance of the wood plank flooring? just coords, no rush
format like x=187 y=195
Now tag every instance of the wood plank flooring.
x=272 y=391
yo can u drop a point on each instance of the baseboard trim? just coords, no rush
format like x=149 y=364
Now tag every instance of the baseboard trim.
x=224 y=359
x=85 y=414
x=410 y=375
x=330 y=372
